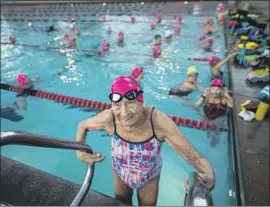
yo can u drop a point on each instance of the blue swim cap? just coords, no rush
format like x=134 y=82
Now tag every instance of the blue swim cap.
x=157 y=36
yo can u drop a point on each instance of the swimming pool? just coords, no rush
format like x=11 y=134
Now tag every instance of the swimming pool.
x=90 y=78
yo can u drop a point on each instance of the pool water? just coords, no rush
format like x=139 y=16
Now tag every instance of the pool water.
x=91 y=78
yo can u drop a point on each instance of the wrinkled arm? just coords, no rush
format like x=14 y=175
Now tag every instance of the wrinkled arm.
x=97 y=122
x=177 y=140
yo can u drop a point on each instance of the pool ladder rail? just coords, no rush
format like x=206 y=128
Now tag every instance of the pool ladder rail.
x=197 y=195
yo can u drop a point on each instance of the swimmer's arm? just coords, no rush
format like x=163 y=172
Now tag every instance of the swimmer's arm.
x=229 y=100
x=168 y=131
x=200 y=102
x=224 y=61
x=98 y=122
x=190 y=86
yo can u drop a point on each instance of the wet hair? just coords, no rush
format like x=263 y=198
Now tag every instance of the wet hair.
x=157 y=36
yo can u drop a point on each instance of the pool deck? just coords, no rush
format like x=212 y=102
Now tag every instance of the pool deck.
x=254 y=141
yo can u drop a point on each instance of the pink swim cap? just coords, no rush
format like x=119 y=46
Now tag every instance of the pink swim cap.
x=217 y=83
x=12 y=39
x=202 y=37
x=210 y=41
x=213 y=60
x=105 y=44
x=209 y=20
x=179 y=18
x=76 y=30
x=177 y=28
x=153 y=25
x=21 y=79
x=155 y=50
x=136 y=72
x=124 y=84
x=221 y=9
x=72 y=41
x=159 y=17
x=66 y=36
x=120 y=33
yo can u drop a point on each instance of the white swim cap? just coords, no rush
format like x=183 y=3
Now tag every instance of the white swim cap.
x=72 y=25
x=168 y=34
x=30 y=24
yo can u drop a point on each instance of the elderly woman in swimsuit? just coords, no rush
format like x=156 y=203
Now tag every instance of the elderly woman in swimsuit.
x=216 y=101
x=138 y=132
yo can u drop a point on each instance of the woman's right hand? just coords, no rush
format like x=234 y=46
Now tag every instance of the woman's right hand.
x=206 y=92
x=90 y=158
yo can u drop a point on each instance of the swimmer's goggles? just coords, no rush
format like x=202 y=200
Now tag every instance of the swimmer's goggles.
x=130 y=95
x=195 y=74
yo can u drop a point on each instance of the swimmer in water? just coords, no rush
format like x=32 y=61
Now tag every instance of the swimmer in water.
x=179 y=19
x=25 y=83
x=208 y=27
x=221 y=15
x=120 y=39
x=189 y=85
x=156 y=51
x=167 y=37
x=157 y=40
x=137 y=73
x=216 y=63
x=12 y=40
x=109 y=30
x=31 y=26
x=105 y=46
x=177 y=29
x=132 y=19
x=207 y=46
x=51 y=29
x=159 y=18
x=216 y=101
x=153 y=26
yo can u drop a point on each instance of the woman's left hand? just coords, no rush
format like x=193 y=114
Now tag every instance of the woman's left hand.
x=226 y=92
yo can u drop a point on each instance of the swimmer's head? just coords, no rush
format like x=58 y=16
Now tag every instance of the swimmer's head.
x=216 y=88
x=177 y=29
x=30 y=24
x=159 y=18
x=210 y=41
x=22 y=79
x=72 y=26
x=109 y=30
x=168 y=35
x=137 y=72
x=132 y=19
x=76 y=31
x=72 y=41
x=192 y=72
x=179 y=18
x=213 y=60
x=66 y=37
x=217 y=83
x=127 y=100
x=120 y=34
x=105 y=46
x=153 y=26
x=156 y=50
x=210 y=21
x=12 y=40
x=221 y=9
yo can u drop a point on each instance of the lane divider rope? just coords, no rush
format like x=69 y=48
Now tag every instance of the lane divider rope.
x=197 y=124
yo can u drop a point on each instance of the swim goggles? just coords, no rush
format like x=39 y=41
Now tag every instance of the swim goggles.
x=195 y=74
x=130 y=95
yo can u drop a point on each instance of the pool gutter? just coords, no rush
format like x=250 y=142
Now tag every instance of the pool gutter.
x=233 y=137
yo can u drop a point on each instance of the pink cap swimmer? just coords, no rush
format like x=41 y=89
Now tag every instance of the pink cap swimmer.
x=156 y=51
x=209 y=21
x=159 y=18
x=12 y=40
x=221 y=9
x=136 y=72
x=213 y=60
x=132 y=19
x=217 y=83
x=120 y=34
x=202 y=37
x=105 y=46
x=180 y=18
x=72 y=41
x=152 y=25
x=210 y=41
x=21 y=78
x=66 y=37
x=124 y=84
x=177 y=28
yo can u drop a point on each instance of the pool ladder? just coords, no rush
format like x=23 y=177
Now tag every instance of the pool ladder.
x=197 y=195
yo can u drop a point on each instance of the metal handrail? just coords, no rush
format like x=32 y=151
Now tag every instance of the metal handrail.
x=29 y=139
x=198 y=193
